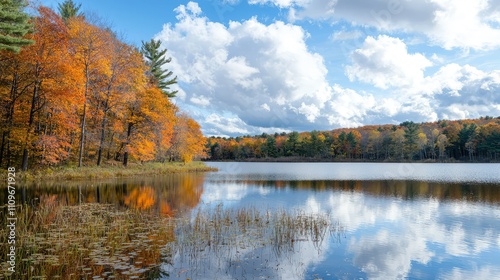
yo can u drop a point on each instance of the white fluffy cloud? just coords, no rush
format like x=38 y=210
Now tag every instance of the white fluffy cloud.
x=448 y=23
x=349 y=108
x=452 y=92
x=263 y=74
x=385 y=62
x=469 y=24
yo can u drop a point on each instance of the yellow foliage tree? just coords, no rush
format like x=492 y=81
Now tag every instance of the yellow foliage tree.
x=188 y=141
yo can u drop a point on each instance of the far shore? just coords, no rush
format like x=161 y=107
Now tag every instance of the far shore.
x=308 y=159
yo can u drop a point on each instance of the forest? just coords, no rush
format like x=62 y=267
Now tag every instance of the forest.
x=73 y=93
x=444 y=140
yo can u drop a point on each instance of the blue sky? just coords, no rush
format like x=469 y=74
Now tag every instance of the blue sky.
x=254 y=66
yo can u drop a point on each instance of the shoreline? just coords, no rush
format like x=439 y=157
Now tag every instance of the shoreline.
x=312 y=160
x=109 y=171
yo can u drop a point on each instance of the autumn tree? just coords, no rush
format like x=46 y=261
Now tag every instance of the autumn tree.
x=14 y=25
x=442 y=143
x=47 y=60
x=451 y=130
x=432 y=142
x=125 y=76
x=157 y=60
x=13 y=87
x=374 y=143
x=422 y=144
x=188 y=141
x=149 y=125
x=383 y=142
x=398 y=138
x=88 y=47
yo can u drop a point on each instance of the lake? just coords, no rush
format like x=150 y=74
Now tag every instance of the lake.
x=390 y=220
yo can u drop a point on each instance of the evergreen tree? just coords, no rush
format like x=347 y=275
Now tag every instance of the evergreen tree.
x=411 y=137
x=69 y=9
x=292 y=145
x=270 y=147
x=155 y=60
x=14 y=24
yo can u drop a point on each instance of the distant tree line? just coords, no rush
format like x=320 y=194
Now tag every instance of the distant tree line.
x=463 y=140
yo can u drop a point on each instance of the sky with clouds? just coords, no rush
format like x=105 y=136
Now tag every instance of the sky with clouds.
x=254 y=66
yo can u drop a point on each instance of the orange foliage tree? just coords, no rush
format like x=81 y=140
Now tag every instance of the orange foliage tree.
x=88 y=47
x=149 y=123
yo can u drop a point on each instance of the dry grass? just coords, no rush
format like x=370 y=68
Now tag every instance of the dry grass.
x=109 y=171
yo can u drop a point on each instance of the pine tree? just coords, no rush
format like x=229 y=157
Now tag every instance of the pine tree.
x=14 y=24
x=155 y=60
x=69 y=9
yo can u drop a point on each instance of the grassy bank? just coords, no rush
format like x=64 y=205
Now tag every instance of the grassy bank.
x=109 y=171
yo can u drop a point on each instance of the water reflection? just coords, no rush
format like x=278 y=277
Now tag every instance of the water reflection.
x=161 y=194
x=393 y=228
x=357 y=171
x=250 y=243
x=408 y=190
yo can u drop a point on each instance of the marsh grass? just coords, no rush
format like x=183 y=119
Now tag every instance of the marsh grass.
x=89 y=241
x=218 y=231
x=109 y=171
x=101 y=241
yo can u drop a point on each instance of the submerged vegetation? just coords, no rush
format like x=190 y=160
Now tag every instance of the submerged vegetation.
x=101 y=241
x=78 y=242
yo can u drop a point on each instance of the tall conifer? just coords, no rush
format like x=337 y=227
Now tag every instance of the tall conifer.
x=69 y=9
x=155 y=60
x=14 y=24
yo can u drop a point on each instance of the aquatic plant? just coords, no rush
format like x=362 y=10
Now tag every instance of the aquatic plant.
x=98 y=240
x=231 y=237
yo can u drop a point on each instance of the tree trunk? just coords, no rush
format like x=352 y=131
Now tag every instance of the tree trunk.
x=10 y=116
x=2 y=146
x=82 y=134
x=24 y=165
x=125 y=154
x=84 y=119
x=103 y=128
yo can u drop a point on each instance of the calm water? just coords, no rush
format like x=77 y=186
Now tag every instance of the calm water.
x=414 y=221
